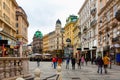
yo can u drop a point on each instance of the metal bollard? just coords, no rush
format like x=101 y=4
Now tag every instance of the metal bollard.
x=20 y=78
x=37 y=74
x=59 y=69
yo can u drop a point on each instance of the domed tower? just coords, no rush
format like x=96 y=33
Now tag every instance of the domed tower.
x=58 y=23
x=38 y=42
x=58 y=26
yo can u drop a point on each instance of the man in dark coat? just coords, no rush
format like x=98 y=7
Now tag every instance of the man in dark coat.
x=73 y=62
x=38 y=61
x=100 y=64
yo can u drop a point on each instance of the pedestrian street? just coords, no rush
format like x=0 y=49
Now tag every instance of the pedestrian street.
x=88 y=72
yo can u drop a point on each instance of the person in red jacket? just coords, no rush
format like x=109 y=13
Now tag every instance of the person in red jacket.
x=54 y=60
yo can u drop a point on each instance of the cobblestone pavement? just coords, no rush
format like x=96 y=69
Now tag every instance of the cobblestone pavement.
x=88 y=72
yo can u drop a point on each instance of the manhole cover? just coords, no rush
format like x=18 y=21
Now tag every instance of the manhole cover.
x=75 y=78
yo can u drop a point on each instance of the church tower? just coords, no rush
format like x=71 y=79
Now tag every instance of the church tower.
x=58 y=26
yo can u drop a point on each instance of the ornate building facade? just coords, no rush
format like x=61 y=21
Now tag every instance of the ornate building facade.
x=38 y=43
x=109 y=28
x=21 y=30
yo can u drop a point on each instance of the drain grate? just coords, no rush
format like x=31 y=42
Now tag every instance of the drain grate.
x=76 y=78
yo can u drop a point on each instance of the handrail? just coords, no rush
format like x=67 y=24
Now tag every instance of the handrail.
x=12 y=67
x=50 y=77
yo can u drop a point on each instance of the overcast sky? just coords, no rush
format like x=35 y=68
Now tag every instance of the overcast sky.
x=42 y=14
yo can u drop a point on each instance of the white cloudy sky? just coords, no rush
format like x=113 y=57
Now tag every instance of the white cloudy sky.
x=42 y=14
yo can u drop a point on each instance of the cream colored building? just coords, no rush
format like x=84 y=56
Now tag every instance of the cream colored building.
x=56 y=38
x=89 y=29
x=8 y=20
x=22 y=30
x=108 y=27
x=85 y=19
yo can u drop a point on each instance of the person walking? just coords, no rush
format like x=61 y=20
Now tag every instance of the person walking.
x=86 y=60
x=67 y=63
x=82 y=60
x=54 y=60
x=79 y=63
x=59 y=61
x=106 y=61
x=38 y=61
x=100 y=64
x=73 y=63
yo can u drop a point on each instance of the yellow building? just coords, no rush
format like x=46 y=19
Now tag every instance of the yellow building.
x=108 y=27
x=45 y=43
x=8 y=21
x=69 y=26
x=76 y=38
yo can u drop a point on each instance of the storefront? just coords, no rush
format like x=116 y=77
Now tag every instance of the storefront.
x=116 y=47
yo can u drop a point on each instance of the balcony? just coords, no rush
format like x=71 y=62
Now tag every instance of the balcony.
x=79 y=33
x=12 y=67
x=85 y=29
x=116 y=39
x=93 y=11
x=93 y=23
x=114 y=24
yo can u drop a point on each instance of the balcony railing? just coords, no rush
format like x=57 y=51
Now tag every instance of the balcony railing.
x=85 y=29
x=93 y=11
x=12 y=67
x=93 y=23
x=116 y=39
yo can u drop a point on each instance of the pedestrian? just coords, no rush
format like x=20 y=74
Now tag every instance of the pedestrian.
x=86 y=60
x=93 y=59
x=106 y=61
x=73 y=63
x=54 y=60
x=100 y=63
x=38 y=61
x=67 y=63
x=59 y=61
x=82 y=60
x=79 y=63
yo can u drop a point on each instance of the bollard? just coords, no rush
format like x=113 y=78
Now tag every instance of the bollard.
x=59 y=69
x=37 y=74
x=20 y=78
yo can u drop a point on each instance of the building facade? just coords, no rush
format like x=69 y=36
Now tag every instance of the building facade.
x=7 y=22
x=85 y=16
x=68 y=35
x=21 y=30
x=45 y=44
x=76 y=39
x=89 y=30
x=56 y=39
x=38 y=42
x=108 y=28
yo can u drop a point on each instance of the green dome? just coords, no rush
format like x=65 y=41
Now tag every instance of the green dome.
x=38 y=34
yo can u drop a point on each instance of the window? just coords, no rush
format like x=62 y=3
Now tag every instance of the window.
x=17 y=32
x=16 y=25
x=108 y=16
x=114 y=10
x=114 y=33
x=17 y=18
